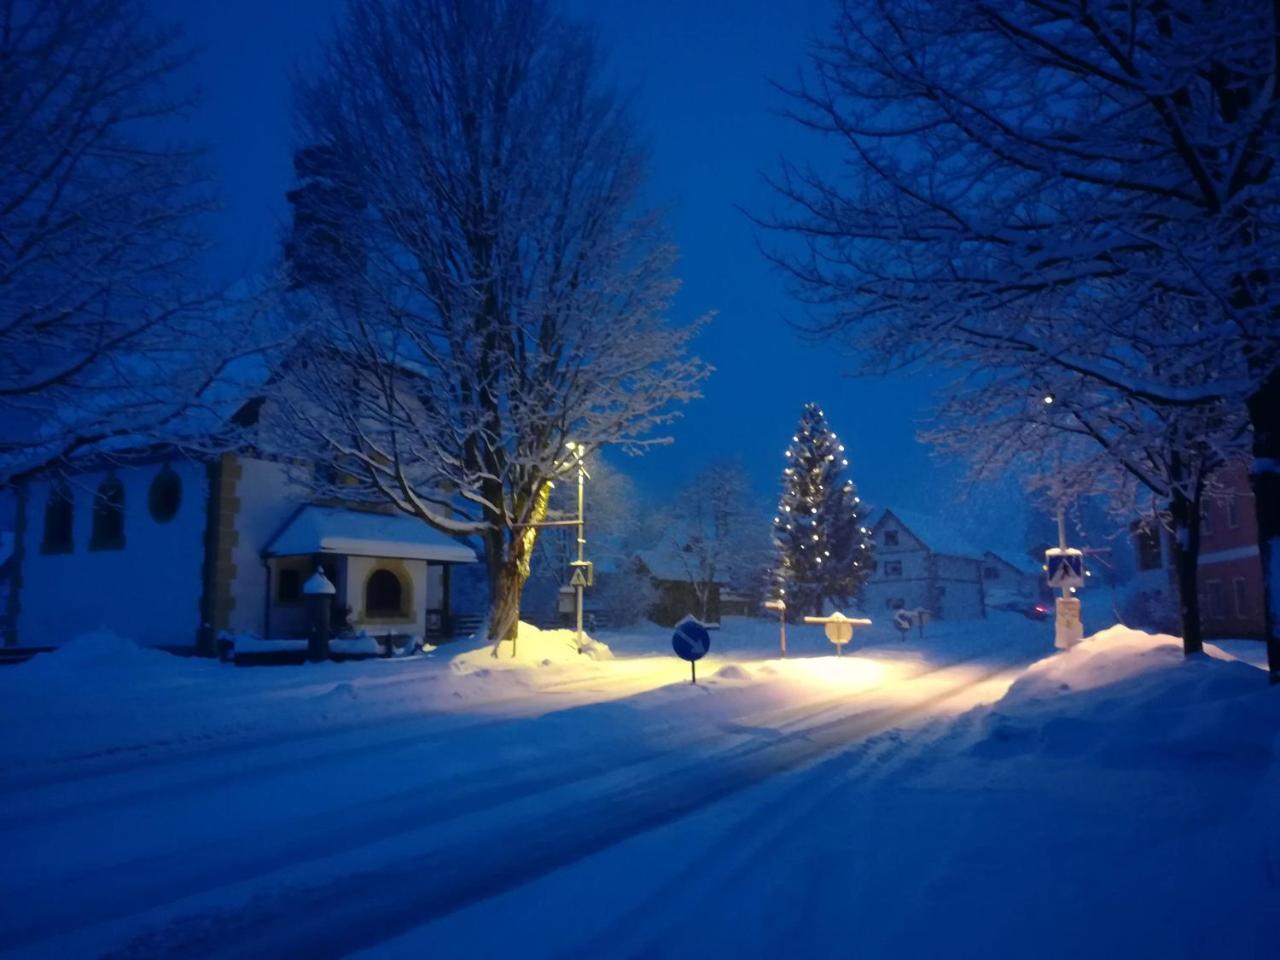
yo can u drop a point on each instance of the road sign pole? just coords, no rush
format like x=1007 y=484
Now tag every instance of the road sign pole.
x=838 y=628
x=582 y=542
x=1066 y=567
x=1062 y=543
x=690 y=642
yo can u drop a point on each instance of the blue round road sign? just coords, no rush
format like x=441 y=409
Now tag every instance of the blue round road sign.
x=691 y=641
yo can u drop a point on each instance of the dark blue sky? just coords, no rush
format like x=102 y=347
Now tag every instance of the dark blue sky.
x=699 y=73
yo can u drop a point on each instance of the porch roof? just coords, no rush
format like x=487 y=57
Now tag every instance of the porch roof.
x=361 y=533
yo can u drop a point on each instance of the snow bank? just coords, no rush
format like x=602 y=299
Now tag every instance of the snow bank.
x=92 y=656
x=533 y=647
x=1129 y=698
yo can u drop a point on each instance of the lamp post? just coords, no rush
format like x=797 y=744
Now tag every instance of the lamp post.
x=580 y=566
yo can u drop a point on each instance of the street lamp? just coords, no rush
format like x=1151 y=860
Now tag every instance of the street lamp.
x=581 y=568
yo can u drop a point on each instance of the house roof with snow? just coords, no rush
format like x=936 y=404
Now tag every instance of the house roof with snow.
x=940 y=537
x=362 y=533
x=667 y=562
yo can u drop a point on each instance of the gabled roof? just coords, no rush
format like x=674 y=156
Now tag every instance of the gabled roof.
x=1021 y=562
x=935 y=534
x=665 y=562
x=939 y=537
x=361 y=533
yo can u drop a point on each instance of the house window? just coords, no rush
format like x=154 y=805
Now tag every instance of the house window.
x=1214 y=605
x=893 y=568
x=289 y=585
x=383 y=595
x=57 y=521
x=1146 y=541
x=1233 y=512
x=990 y=573
x=165 y=496
x=1241 y=596
x=891 y=538
x=108 y=516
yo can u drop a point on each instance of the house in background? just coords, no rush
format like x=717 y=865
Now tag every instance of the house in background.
x=1230 y=568
x=922 y=564
x=674 y=574
x=1229 y=572
x=1150 y=597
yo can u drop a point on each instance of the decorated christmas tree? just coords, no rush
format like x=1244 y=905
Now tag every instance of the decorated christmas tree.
x=821 y=542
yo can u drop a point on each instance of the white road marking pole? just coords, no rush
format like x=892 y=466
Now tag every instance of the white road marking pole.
x=781 y=607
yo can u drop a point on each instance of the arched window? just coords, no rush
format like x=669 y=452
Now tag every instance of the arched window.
x=165 y=495
x=57 y=521
x=383 y=595
x=108 y=516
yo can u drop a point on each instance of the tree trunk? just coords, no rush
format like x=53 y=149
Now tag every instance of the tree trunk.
x=509 y=563
x=1185 y=512
x=1264 y=416
x=506 y=584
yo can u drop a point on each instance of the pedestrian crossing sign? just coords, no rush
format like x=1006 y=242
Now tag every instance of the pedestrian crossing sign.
x=1065 y=566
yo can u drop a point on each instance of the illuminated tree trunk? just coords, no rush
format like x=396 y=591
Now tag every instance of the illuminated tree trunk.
x=509 y=566
x=506 y=585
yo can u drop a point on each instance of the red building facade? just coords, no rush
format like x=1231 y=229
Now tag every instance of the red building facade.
x=1231 y=595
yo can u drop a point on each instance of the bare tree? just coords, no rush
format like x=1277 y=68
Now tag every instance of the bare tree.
x=105 y=329
x=715 y=532
x=1082 y=186
x=497 y=291
x=1069 y=438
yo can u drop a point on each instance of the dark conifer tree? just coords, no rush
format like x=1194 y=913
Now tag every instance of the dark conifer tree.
x=822 y=546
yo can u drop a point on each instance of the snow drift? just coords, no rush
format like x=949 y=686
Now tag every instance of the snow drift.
x=1129 y=698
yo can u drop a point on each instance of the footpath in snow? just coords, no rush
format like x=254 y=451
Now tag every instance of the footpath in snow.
x=971 y=791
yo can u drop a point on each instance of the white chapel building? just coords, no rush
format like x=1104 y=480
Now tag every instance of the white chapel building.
x=176 y=551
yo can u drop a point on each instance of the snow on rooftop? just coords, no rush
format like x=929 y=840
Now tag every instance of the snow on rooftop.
x=317 y=529
x=941 y=537
x=667 y=562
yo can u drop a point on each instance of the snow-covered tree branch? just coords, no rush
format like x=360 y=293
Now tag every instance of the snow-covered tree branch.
x=1069 y=438
x=716 y=534
x=107 y=333
x=1076 y=187
x=481 y=283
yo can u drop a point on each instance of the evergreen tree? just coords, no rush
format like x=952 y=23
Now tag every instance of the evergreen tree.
x=822 y=547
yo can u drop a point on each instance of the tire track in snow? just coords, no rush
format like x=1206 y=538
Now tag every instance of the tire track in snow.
x=635 y=934
x=164 y=878
x=278 y=753
x=358 y=909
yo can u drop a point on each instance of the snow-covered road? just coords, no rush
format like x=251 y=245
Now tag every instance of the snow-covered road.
x=966 y=793
x=321 y=845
